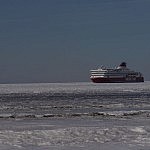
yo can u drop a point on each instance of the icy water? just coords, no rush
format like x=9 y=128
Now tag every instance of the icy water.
x=69 y=116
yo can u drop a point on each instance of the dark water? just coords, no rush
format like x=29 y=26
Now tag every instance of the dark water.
x=75 y=116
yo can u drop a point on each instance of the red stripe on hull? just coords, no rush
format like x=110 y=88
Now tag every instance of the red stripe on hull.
x=117 y=80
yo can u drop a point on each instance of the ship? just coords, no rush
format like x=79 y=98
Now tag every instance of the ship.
x=120 y=74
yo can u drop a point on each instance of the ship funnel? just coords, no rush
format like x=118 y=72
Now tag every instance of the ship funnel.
x=123 y=64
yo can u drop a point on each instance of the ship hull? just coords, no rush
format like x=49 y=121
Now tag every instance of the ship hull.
x=117 y=80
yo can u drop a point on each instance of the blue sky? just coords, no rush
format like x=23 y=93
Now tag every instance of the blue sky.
x=61 y=40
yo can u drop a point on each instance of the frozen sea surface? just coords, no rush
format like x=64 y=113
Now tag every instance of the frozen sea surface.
x=75 y=116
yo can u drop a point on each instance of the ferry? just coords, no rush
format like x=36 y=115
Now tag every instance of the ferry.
x=120 y=74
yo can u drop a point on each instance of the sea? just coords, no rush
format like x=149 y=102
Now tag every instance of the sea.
x=75 y=116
